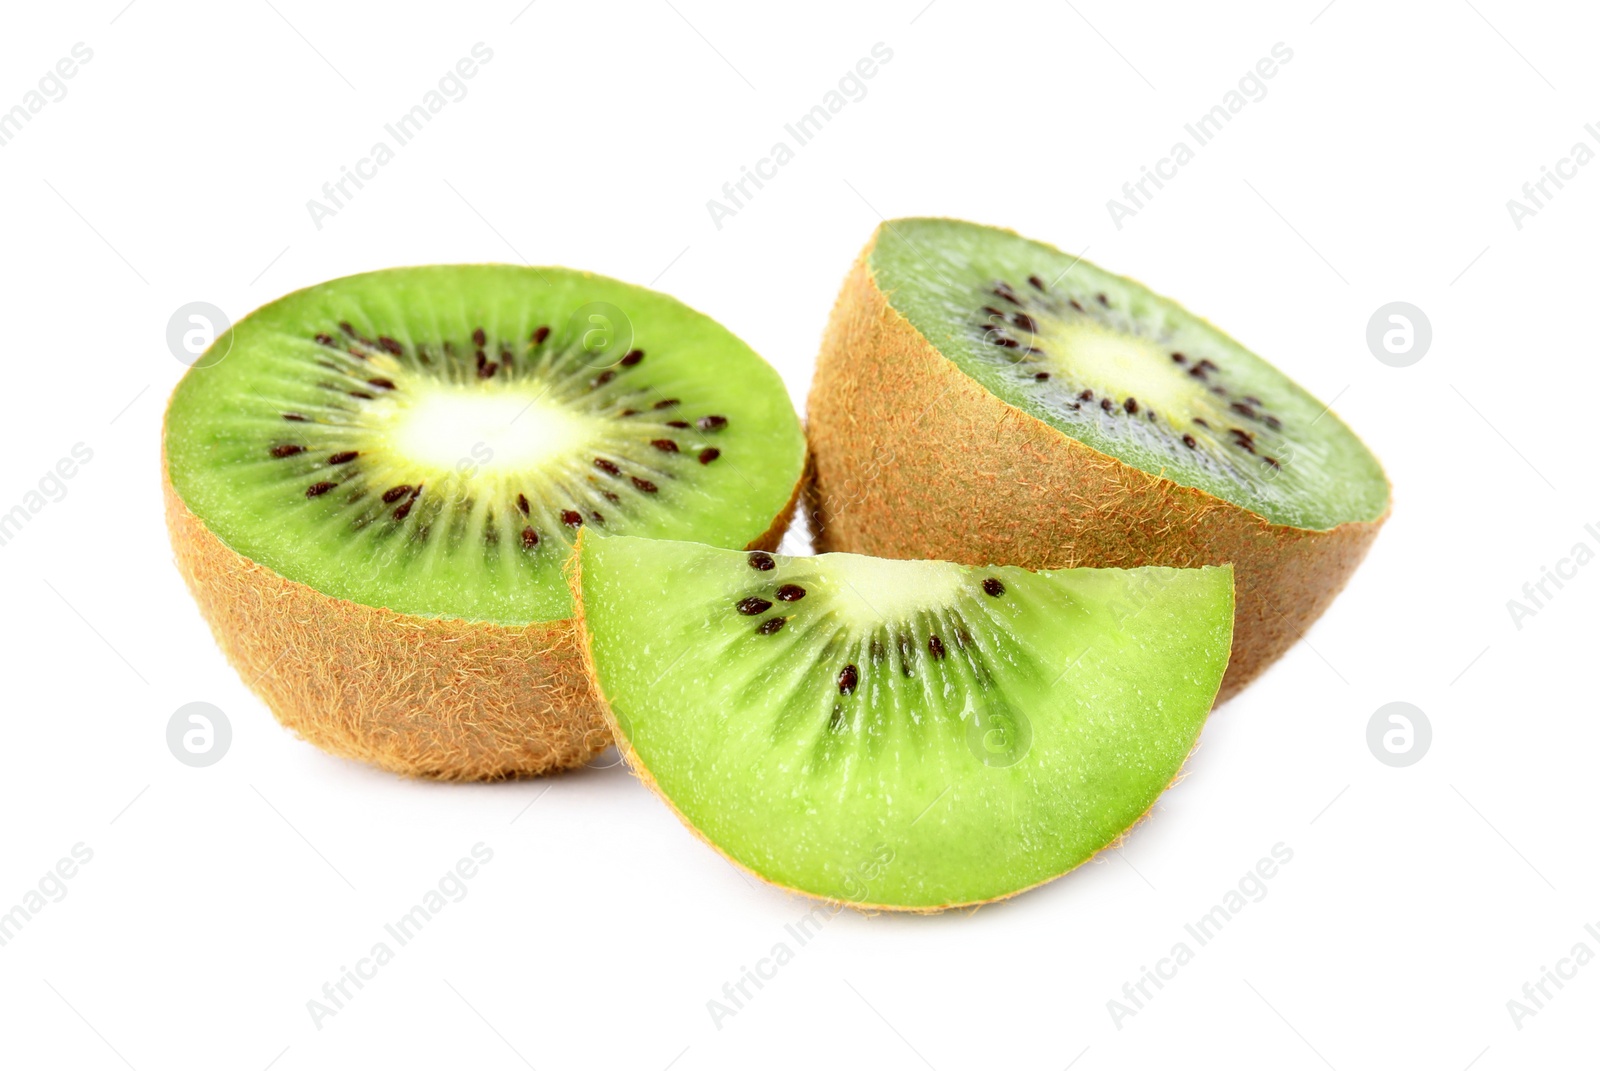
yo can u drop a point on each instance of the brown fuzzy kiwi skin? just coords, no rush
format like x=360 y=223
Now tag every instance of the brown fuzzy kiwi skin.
x=911 y=458
x=619 y=734
x=437 y=698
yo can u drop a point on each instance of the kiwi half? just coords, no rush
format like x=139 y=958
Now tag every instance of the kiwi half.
x=894 y=734
x=373 y=485
x=983 y=397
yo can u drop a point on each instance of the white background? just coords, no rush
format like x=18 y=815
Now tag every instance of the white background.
x=220 y=900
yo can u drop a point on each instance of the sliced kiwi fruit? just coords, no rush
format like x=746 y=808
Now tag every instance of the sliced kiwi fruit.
x=983 y=397
x=910 y=735
x=373 y=486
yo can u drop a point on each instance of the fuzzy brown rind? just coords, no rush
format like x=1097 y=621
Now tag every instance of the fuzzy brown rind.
x=630 y=756
x=911 y=458
x=428 y=697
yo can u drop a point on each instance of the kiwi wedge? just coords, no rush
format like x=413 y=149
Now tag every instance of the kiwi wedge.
x=909 y=735
x=373 y=485
x=986 y=398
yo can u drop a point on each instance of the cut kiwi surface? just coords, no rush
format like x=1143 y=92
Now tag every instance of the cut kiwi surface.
x=984 y=397
x=407 y=456
x=909 y=735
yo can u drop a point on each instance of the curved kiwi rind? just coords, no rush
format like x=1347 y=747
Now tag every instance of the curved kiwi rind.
x=452 y=693
x=914 y=457
x=899 y=735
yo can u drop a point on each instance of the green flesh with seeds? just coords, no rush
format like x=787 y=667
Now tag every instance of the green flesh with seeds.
x=430 y=439
x=910 y=734
x=1126 y=372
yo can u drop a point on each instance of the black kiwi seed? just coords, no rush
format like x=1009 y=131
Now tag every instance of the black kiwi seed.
x=571 y=518
x=753 y=605
x=1105 y=403
x=629 y=412
x=1131 y=405
x=286 y=451
x=381 y=383
x=1201 y=421
x=993 y=587
x=539 y=335
x=403 y=509
x=709 y=454
x=321 y=487
x=487 y=370
x=712 y=423
x=632 y=357
x=761 y=560
x=1041 y=376
x=665 y=403
x=1273 y=422
x=666 y=446
x=1008 y=343
x=645 y=485
x=677 y=423
x=611 y=496
x=293 y=416
x=395 y=494
x=1101 y=298
x=597 y=516
x=1074 y=303
x=1274 y=462
x=936 y=647
x=1178 y=358
x=522 y=503
x=992 y=311
x=1033 y=280
x=791 y=593
x=478 y=337
x=1086 y=396
x=604 y=377
x=1189 y=441
x=607 y=467
x=770 y=625
x=1024 y=321
x=343 y=457
x=326 y=340
x=390 y=344
x=530 y=539
x=344 y=325
x=847 y=680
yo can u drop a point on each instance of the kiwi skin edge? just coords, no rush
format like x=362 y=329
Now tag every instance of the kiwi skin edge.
x=911 y=458
x=426 y=697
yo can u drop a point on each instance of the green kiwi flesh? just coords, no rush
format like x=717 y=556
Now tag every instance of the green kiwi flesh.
x=900 y=734
x=1126 y=372
x=430 y=439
